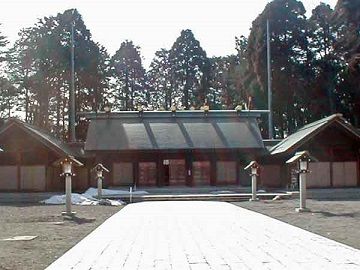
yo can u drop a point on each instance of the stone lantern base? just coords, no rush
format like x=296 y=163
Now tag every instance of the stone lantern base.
x=301 y=210
x=69 y=215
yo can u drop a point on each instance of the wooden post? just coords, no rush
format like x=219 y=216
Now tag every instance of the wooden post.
x=302 y=191
x=18 y=169
x=331 y=150
x=189 y=169
x=160 y=171
x=68 y=195
x=99 y=171
x=254 y=176
x=67 y=164
x=253 y=166
x=136 y=173
x=213 y=169
x=302 y=159
x=358 y=169
x=99 y=187
x=237 y=167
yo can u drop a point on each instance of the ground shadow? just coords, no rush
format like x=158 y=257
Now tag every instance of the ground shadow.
x=330 y=214
x=79 y=220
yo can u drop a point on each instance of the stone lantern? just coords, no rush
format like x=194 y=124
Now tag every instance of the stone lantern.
x=99 y=170
x=67 y=165
x=253 y=166
x=302 y=160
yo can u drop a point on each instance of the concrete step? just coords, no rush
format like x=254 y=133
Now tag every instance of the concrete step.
x=200 y=197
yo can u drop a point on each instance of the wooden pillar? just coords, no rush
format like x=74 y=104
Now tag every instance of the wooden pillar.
x=213 y=169
x=358 y=169
x=136 y=173
x=18 y=168
x=285 y=174
x=237 y=167
x=331 y=150
x=189 y=168
x=160 y=171
x=46 y=170
x=89 y=167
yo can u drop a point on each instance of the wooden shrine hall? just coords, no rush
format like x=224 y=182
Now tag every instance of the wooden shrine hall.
x=180 y=148
x=165 y=148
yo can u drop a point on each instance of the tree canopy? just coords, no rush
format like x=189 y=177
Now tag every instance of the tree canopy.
x=315 y=70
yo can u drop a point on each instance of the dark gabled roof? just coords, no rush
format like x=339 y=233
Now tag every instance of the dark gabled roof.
x=51 y=142
x=173 y=130
x=308 y=131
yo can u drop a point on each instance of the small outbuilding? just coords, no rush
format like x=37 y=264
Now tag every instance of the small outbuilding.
x=333 y=141
x=26 y=162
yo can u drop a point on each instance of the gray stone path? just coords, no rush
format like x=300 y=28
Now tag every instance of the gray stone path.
x=203 y=235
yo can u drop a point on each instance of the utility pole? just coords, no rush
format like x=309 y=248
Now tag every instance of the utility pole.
x=271 y=135
x=72 y=136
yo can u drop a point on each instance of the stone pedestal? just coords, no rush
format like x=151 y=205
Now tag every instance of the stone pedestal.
x=253 y=188
x=68 y=202
x=99 y=188
x=302 y=207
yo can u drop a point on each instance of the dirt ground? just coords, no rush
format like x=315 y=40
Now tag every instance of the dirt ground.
x=55 y=234
x=337 y=220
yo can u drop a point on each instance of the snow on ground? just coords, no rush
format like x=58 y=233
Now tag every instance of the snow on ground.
x=80 y=200
x=89 y=197
x=92 y=192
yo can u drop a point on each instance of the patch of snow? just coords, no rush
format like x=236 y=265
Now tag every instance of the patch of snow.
x=79 y=199
x=21 y=238
x=92 y=192
x=61 y=199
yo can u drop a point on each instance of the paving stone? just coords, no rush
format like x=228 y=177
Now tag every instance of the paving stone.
x=203 y=235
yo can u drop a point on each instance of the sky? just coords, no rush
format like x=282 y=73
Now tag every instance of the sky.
x=150 y=24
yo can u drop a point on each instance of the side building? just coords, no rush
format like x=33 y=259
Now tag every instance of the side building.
x=333 y=141
x=26 y=162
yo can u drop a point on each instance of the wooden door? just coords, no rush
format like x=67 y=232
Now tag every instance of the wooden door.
x=226 y=172
x=147 y=174
x=33 y=178
x=345 y=174
x=177 y=172
x=123 y=174
x=319 y=175
x=201 y=172
x=8 y=178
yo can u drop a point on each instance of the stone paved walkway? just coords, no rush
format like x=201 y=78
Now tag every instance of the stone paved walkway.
x=203 y=235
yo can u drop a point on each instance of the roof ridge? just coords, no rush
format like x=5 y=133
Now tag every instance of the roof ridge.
x=43 y=134
x=319 y=122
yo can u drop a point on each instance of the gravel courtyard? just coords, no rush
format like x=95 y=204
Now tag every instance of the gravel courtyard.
x=196 y=235
x=55 y=235
x=337 y=220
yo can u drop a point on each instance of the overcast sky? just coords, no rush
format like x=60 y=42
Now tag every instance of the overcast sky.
x=151 y=24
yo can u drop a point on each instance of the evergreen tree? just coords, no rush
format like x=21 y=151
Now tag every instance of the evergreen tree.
x=3 y=43
x=189 y=65
x=8 y=100
x=41 y=68
x=346 y=19
x=161 y=81
x=129 y=75
x=325 y=62
x=289 y=54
